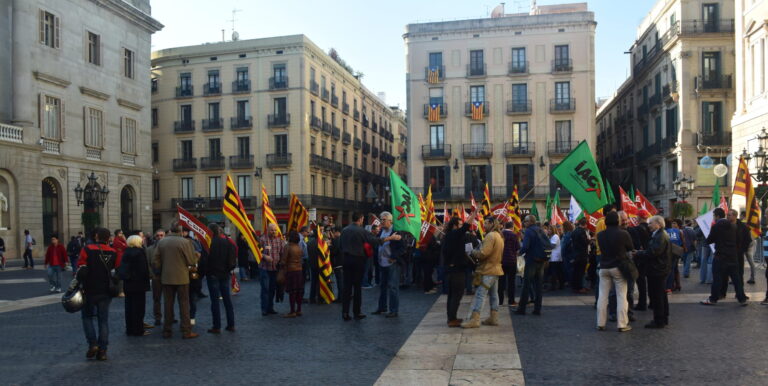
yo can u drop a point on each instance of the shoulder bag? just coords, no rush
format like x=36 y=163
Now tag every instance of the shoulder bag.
x=114 y=281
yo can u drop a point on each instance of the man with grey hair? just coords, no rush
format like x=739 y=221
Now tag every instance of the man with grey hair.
x=172 y=257
x=390 y=269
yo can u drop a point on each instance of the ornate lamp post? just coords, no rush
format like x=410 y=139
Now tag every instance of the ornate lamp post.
x=91 y=195
x=683 y=188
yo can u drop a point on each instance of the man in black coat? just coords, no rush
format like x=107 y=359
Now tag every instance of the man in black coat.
x=641 y=235
x=580 y=243
x=725 y=235
x=217 y=266
x=657 y=260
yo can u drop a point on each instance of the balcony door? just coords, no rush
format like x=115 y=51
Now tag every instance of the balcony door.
x=437 y=139
x=563 y=136
x=711 y=66
x=477 y=94
x=281 y=144
x=280 y=107
x=709 y=17
x=186 y=149
x=435 y=59
x=563 y=93
x=214 y=148
x=475 y=178
x=186 y=113
x=477 y=134
x=520 y=135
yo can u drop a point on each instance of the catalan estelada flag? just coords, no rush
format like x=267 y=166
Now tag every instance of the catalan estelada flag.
x=434 y=112
x=477 y=110
x=513 y=211
x=433 y=75
x=325 y=268
x=267 y=216
x=297 y=215
x=235 y=211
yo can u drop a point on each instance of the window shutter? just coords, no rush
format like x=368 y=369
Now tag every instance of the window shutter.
x=63 y=120
x=511 y=180
x=40 y=109
x=467 y=182
x=42 y=25
x=86 y=133
x=56 y=33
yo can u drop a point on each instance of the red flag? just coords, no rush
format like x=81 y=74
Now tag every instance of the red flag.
x=723 y=204
x=642 y=203
x=446 y=215
x=592 y=219
x=375 y=220
x=500 y=212
x=426 y=234
x=628 y=206
x=199 y=230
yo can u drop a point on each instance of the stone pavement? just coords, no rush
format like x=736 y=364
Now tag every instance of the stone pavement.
x=437 y=355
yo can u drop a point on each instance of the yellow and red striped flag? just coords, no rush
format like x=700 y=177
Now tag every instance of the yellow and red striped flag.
x=433 y=75
x=325 y=268
x=430 y=207
x=234 y=209
x=297 y=215
x=446 y=214
x=267 y=216
x=477 y=110
x=434 y=112
x=513 y=211
x=743 y=187
x=422 y=209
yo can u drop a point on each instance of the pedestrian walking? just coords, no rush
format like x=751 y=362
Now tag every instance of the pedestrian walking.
x=217 y=266
x=273 y=250
x=487 y=274
x=134 y=271
x=509 y=264
x=657 y=259
x=73 y=251
x=616 y=247
x=291 y=262
x=173 y=257
x=55 y=262
x=29 y=244
x=536 y=248
x=725 y=265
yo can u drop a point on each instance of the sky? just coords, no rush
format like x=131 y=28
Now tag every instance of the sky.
x=368 y=34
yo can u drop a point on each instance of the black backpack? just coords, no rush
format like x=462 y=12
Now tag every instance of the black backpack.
x=546 y=245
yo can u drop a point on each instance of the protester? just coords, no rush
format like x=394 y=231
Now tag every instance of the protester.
x=73 y=251
x=580 y=253
x=430 y=258
x=306 y=270
x=615 y=245
x=509 y=264
x=676 y=238
x=97 y=261
x=157 y=285
x=658 y=265
x=641 y=235
x=135 y=276
x=352 y=239
x=273 y=246
x=487 y=274
x=55 y=262
x=291 y=260
x=556 y=269
x=195 y=281
x=536 y=247
x=725 y=235
x=313 y=261
x=689 y=237
x=173 y=257
x=29 y=244
x=217 y=266
x=391 y=263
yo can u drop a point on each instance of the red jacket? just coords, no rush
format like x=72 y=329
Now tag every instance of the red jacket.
x=56 y=255
x=119 y=245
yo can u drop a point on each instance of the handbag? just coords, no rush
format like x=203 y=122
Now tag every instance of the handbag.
x=280 y=277
x=628 y=269
x=114 y=281
x=677 y=251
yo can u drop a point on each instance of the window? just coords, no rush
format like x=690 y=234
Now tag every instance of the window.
x=186 y=113
x=187 y=188
x=128 y=136
x=155 y=152
x=344 y=189
x=213 y=78
x=476 y=177
x=185 y=81
x=281 y=185
x=241 y=74
x=657 y=85
x=646 y=135
x=94 y=127
x=437 y=137
x=94 y=48
x=214 y=148
x=323 y=183
x=213 y=112
x=49 y=29
x=52 y=118
x=562 y=54
x=672 y=122
x=711 y=118
x=520 y=135
x=435 y=59
x=312 y=146
x=322 y=148
x=438 y=178
x=711 y=66
x=244 y=186
x=312 y=180
x=520 y=94
x=214 y=187
x=520 y=175
x=281 y=144
x=562 y=92
x=672 y=172
x=333 y=152
x=333 y=187
x=710 y=16
x=155 y=117
x=279 y=73
x=477 y=133
x=128 y=63
x=518 y=60
x=476 y=62
x=243 y=147
x=155 y=190
x=154 y=85
x=563 y=135
x=186 y=149
x=477 y=93
x=243 y=110
x=657 y=127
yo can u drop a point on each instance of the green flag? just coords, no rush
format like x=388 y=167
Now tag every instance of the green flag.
x=716 y=194
x=632 y=192
x=534 y=210
x=549 y=208
x=406 y=214
x=704 y=209
x=609 y=193
x=579 y=174
x=555 y=203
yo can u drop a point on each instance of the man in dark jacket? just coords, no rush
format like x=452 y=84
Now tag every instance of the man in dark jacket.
x=337 y=261
x=73 y=251
x=535 y=253
x=656 y=259
x=580 y=243
x=725 y=235
x=216 y=266
x=456 y=263
x=641 y=235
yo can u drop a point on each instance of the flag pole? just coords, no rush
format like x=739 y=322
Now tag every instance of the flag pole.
x=534 y=188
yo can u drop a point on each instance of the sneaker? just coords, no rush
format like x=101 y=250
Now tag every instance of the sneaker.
x=600 y=328
x=707 y=302
x=751 y=281
x=52 y=289
x=625 y=329
x=744 y=303
x=192 y=321
x=58 y=290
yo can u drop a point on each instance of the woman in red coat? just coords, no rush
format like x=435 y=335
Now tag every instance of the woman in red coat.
x=55 y=261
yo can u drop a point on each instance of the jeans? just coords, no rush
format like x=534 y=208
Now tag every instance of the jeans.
x=488 y=287
x=243 y=270
x=455 y=281
x=96 y=308
x=268 y=281
x=687 y=259
x=54 y=276
x=659 y=299
x=220 y=287
x=73 y=260
x=533 y=275
x=507 y=283
x=750 y=257
x=609 y=278
x=367 y=272
x=721 y=272
x=705 y=273
x=390 y=288
x=28 y=260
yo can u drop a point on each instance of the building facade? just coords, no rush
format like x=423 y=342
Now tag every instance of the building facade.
x=674 y=110
x=751 y=115
x=277 y=112
x=75 y=101
x=498 y=101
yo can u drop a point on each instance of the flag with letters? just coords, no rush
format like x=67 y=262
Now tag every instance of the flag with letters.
x=477 y=110
x=642 y=203
x=297 y=215
x=743 y=187
x=405 y=205
x=629 y=207
x=199 y=230
x=267 y=216
x=579 y=174
x=434 y=112
x=234 y=210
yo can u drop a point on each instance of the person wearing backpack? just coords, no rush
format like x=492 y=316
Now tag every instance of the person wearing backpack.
x=536 y=249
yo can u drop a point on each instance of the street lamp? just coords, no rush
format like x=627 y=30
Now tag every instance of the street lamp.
x=91 y=194
x=683 y=186
x=199 y=205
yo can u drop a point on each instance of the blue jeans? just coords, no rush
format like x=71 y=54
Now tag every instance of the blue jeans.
x=268 y=281
x=390 y=288
x=687 y=259
x=533 y=275
x=54 y=276
x=489 y=286
x=468 y=278
x=96 y=308
x=216 y=288
x=705 y=273
x=243 y=271
x=367 y=271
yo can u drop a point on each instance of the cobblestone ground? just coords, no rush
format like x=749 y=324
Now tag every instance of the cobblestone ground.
x=45 y=345
x=718 y=345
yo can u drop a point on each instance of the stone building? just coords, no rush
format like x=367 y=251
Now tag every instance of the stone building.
x=277 y=112
x=499 y=101
x=74 y=100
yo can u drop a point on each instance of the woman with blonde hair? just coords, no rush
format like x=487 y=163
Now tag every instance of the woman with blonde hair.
x=134 y=271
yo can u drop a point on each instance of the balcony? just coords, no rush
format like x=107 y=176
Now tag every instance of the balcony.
x=715 y=139
x=315 y=123
x=241 y=86
x=278 y=160
x=325 y=94
x=443 y=110
x=357 y=144
x=559 y=106
x=692 y=27
x=669 y=92
x=278 y=120
x=278 y=83
x=642 y=111
x=184 y=91
x=375 y=152
x=468 y=109
x=365 y=120
x=519 y=149
x=336 y=133
x=346 y=171
x=712 y=82
x=212 y=163
x=184 y=164
x=241 y=161
x=435 y=152
x=210 y=125
x=517 y=68
x=562 y=65
x=356 y=115
x=334 y=101
x=519 y=107
x=240 y=123
x=654 y=100
x=327 y=128
x=434 y=74
x=647 y=58
x=477 y=150
x=9 y=133
x=366 y=148
x=476 y=70
x=314 y=88
x=561 y=147
x=212 y=89
x=345 y=108
x=184 y=126
x=325 y=163
x=346 y=138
